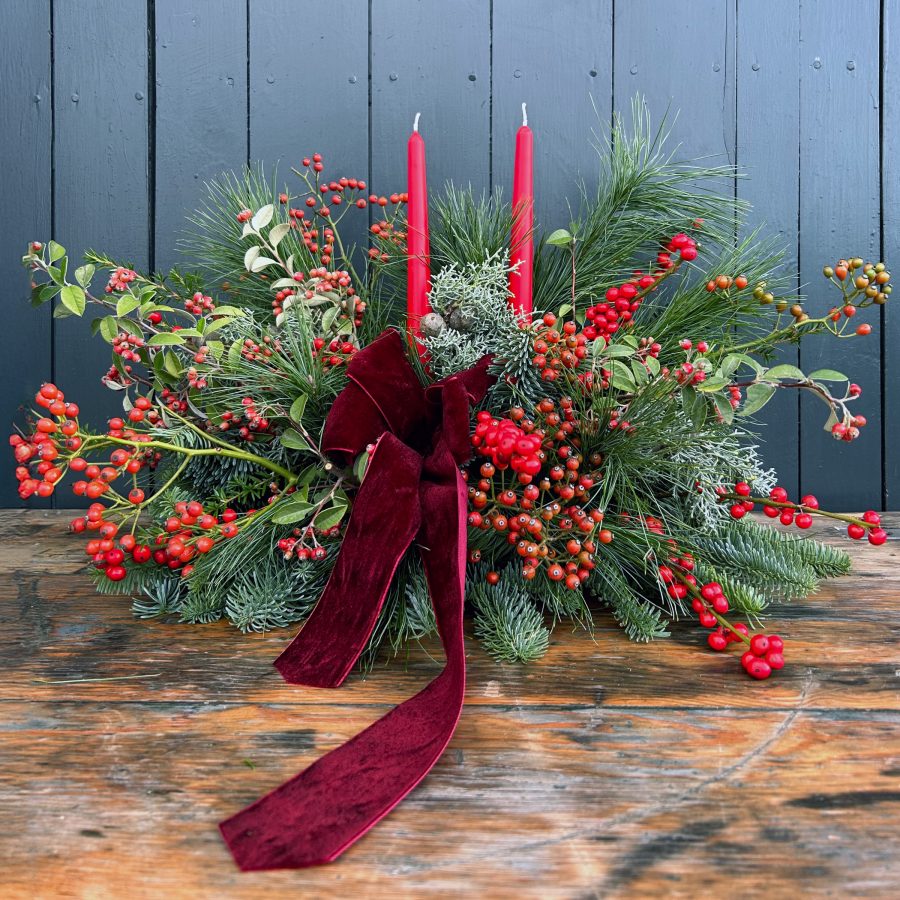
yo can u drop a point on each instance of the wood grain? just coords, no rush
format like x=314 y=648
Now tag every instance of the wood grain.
x=608 y=769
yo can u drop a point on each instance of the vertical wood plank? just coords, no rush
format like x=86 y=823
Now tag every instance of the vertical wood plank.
x=309 y=91
x=682 y=63
x=201 y=108
x=839 y=209
x=432 y=58
x=768 y=44
x=569 y=97
x=890 y=200
x=25 y=161
x=101 y=161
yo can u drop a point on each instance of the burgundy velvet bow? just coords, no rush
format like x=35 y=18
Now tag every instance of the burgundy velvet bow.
x=412 y=492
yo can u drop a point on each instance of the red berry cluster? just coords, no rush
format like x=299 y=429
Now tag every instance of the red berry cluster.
x=335 y=352
x=120 y=279
x=778 y=506
x=849 y=429
x=192 y=531
x=622 y=301
x=303 y=544
x=508 y=446
x=384 y=234
x=254 y=352
x=248 y=422
x=198 y=304
x=40 y=455
x=558 y=350
x=710 y=604
x=688 y=372
x=544 y=509
x=127 y=346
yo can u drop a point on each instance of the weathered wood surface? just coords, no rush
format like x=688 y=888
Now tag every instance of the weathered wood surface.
x=608 y=769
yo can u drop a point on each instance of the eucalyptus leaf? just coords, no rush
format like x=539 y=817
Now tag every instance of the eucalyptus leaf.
x=263 y=216
x=261 y=262
x=278 y=233
x=250 y=256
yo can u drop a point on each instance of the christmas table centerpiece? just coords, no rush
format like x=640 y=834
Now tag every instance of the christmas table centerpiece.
x=464 y=412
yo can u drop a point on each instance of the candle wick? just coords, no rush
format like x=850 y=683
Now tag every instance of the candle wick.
x=416 y=122
x=524 y=115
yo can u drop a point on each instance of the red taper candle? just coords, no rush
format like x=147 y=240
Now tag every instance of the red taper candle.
x=521 y=239
x=418 y=266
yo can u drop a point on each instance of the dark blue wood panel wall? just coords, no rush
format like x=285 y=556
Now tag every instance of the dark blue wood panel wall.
x=115 y=112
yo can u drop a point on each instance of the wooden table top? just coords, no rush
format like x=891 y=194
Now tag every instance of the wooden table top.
x=606 y=769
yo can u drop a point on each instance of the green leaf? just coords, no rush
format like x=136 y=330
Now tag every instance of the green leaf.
x=263 y=216
x=84 y=274
x=293 y=509
x=297 y=407
x=109 y=328
x=294 y=440
x=827 y=375
x=234 y=352
x=359 y=466
x=621 y=377
x=560 y=238
x=217 y=348
x=726 y=411
x=331 y=516
x=216 y=325
x=619 y=350
x=57 y=251
x=832 y=421
x=72 y=298
x=229 y=311
x=47 y=292
x=694 y=406
x=127 y=303
x=62 y=313
x=55 y=275
x=784 y=371
x=652 y=365
x=641 y=375
x=328 y=318
x=131 y=327
x=190 y=332
x=758 y=395
x=565 y=309
x=165 y=340
x=172 y=363
x=716 y=383
x=278 y=232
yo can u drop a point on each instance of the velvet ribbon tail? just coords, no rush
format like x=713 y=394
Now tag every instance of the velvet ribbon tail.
x=313 y=817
